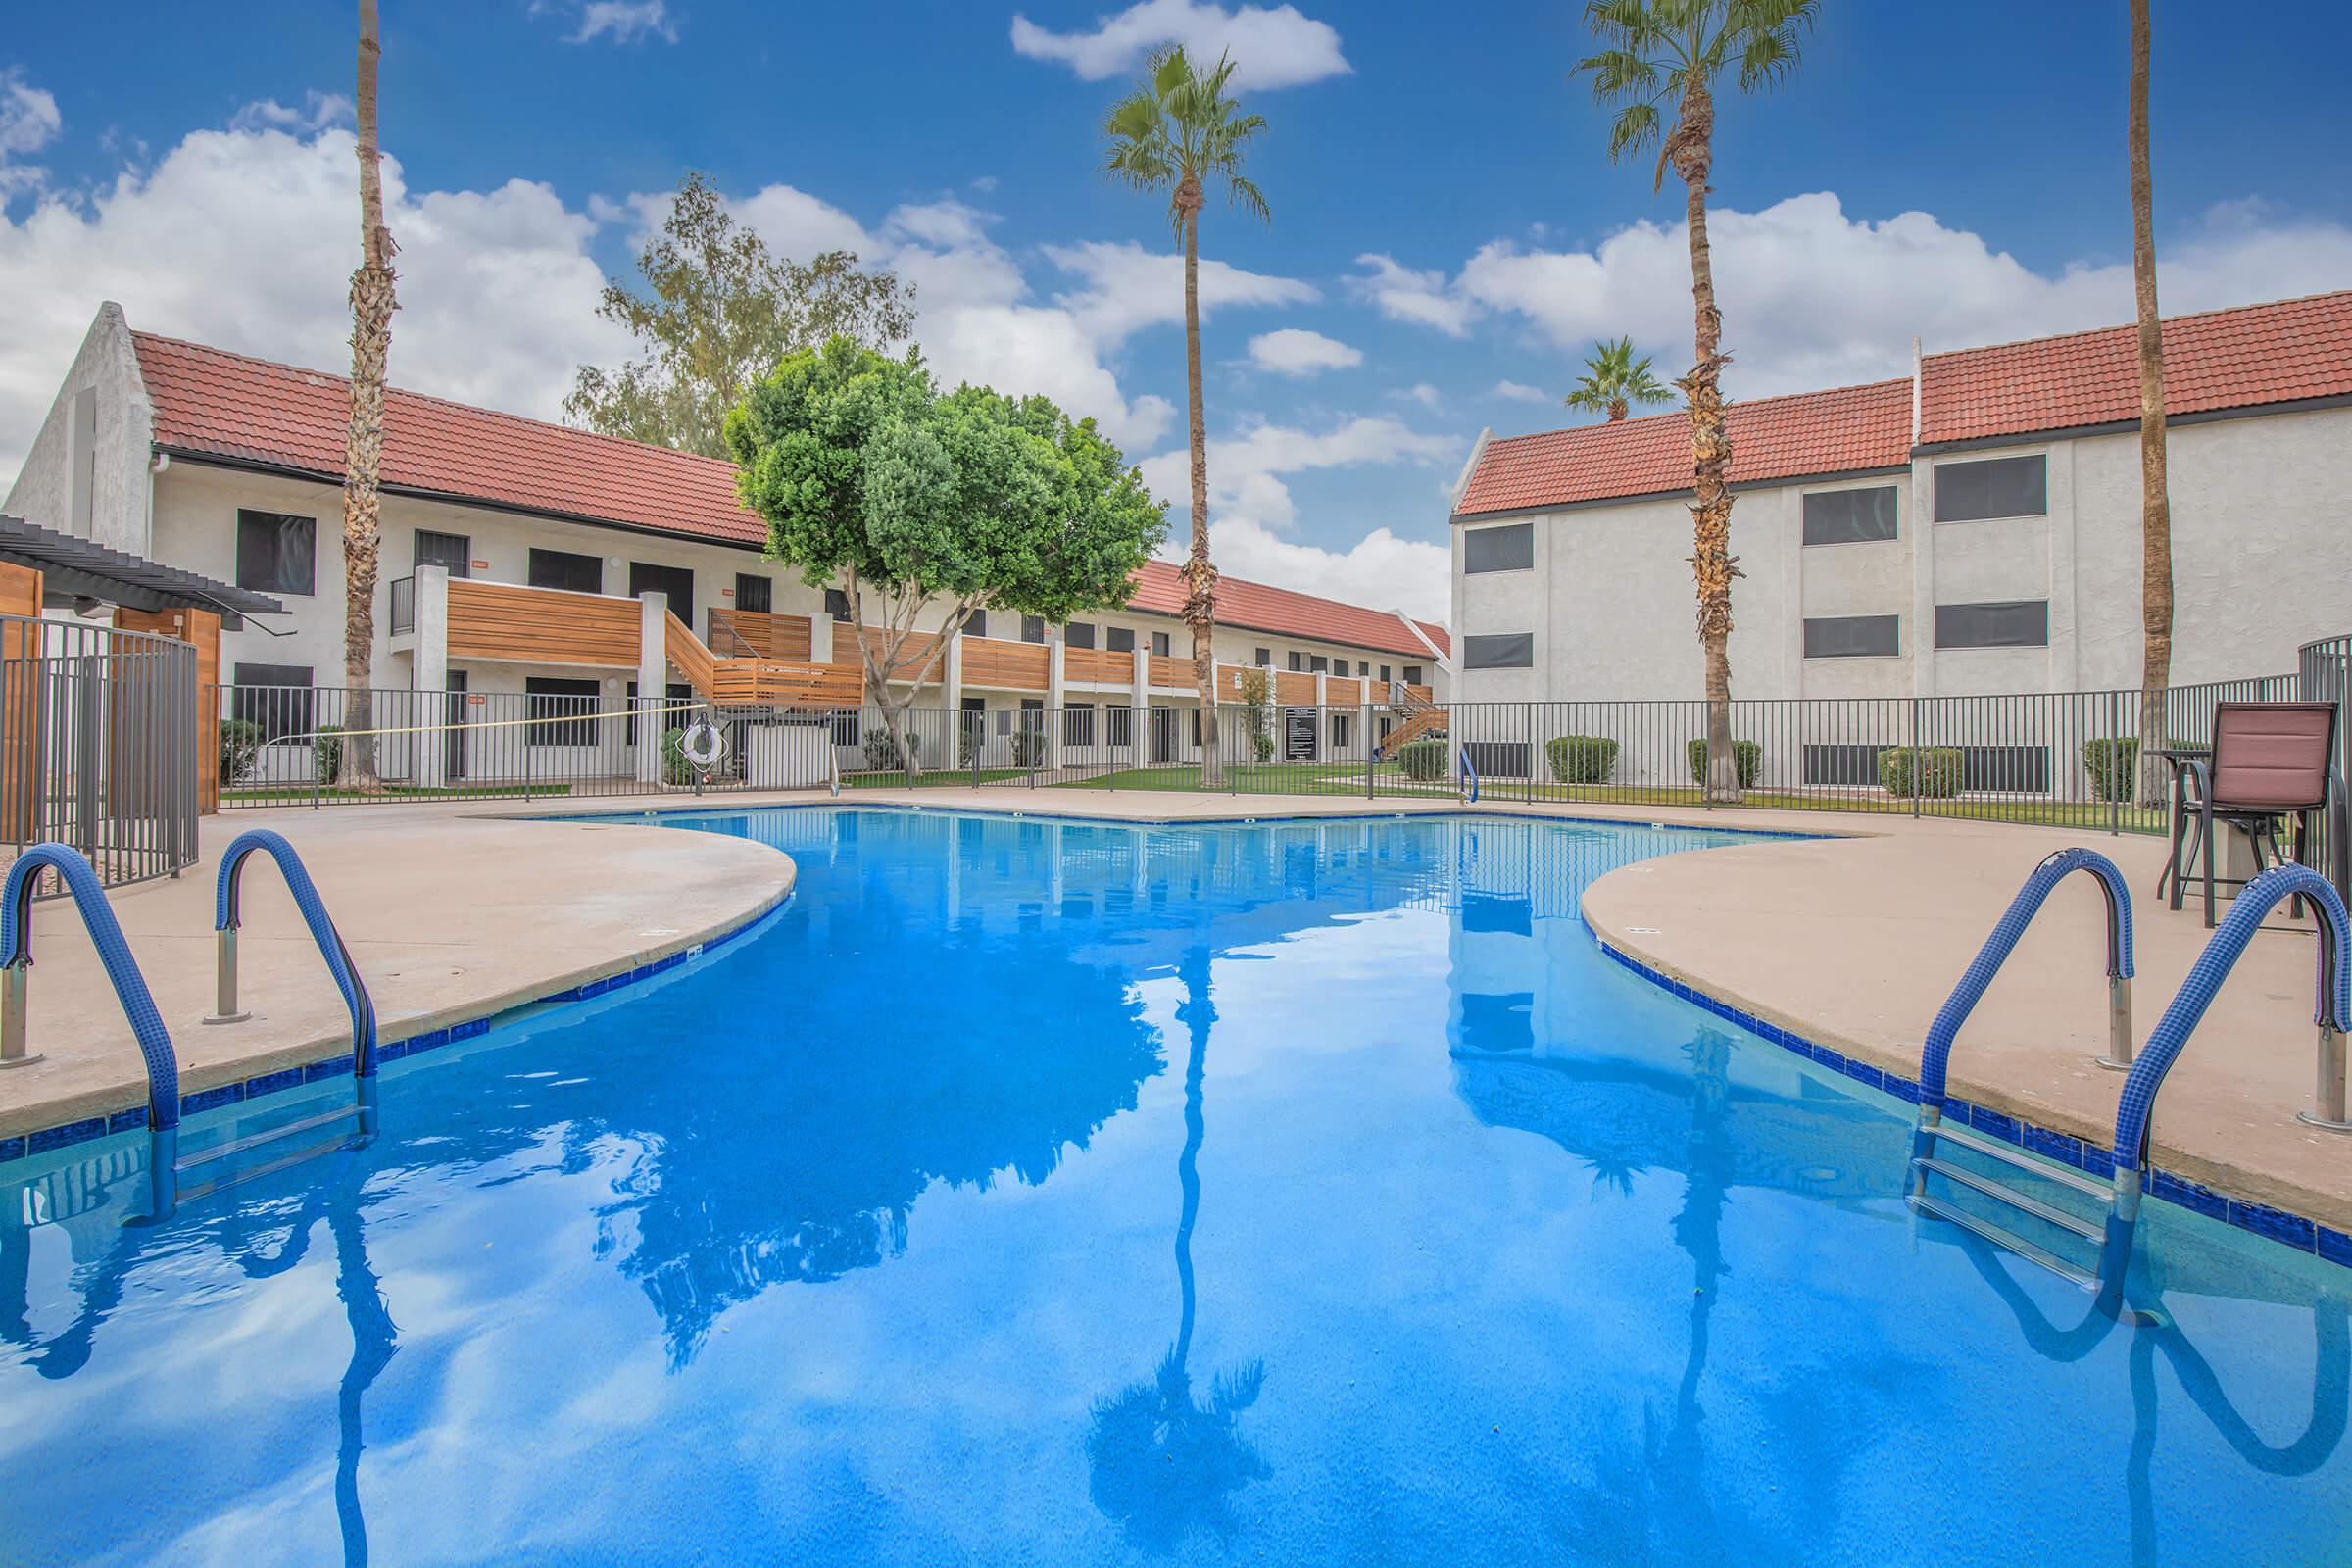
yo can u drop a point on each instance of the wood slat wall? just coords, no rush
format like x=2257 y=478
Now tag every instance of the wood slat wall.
x=765 y=636
x=540 y=625
x=1013 y=667
x=22 y=699
x=1338 y=692
x=789 y=682
x=1293 y=688
x=1099 y=665
x=201 y=628
x=1170 y=671
x=912 y=651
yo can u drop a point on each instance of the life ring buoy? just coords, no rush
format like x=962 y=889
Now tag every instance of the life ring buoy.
x=704 y=745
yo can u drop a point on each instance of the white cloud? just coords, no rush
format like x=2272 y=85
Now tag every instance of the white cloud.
x=1420 y=392
x=1813 y=298
x=29 y=123
x=625 y=21
x=1380 y=569
x=1405 y=295
x=498 y=292
x=1129 y=288
x=1270 y=48
x=319 y=111
x=1297 y=352
x=1521 y=392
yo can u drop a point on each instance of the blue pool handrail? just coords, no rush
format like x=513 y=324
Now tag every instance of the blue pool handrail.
x=1935 y=1057
x=80 y=879
x=227 y=917
x=2332 y=1010
x=1469 y=778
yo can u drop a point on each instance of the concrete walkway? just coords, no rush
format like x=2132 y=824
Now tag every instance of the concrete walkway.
x=451 y=918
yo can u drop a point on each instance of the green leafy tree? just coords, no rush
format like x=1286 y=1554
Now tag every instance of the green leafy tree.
x=925 y=507
x=721 y=313
x=1614 y=380
x=1178 y=132
x=1657 y=73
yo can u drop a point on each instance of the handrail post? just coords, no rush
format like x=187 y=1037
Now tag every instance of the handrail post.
x=2118 y=1025
x=225 y=975
x=2328 y=1102
x=14 y=982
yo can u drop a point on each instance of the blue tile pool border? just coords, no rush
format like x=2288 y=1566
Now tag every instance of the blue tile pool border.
x=2303 y=1234
x=20 y=1146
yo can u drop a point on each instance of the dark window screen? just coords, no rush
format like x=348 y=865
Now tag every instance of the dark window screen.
x=1511 y=548
x=552 y=698
x=1995 y=487
x=1510 y=650
x=1853 y=636
x=1119 y=639
x=1079 y=634
x=275 y=697
x=276 y=552
x=2010 y=623
x=1849 y=516
x=754 y=593
x=560 y=568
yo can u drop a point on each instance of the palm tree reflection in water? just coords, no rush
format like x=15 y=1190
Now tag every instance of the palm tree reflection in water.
x=1162 y=1462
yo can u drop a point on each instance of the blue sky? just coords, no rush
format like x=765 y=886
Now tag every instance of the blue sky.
x=1446 y=224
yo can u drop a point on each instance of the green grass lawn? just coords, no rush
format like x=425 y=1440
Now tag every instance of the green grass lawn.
x=303 y=795
x=946 y=779
x=1248 y=778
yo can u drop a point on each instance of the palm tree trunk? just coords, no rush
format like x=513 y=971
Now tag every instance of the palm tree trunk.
x=1199 y=575
x=1690 y=149
x=371 y=307
x=2155 y=504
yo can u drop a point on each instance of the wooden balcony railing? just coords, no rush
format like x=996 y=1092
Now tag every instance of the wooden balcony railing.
x=1098 y=664
x=1006 y=666
x=914 y=650
x=791 y=683
x=756 y=634
x=1171 y=673
x=541 y=625
x=687 y=654
x=1343 y=691
x=1293 y=688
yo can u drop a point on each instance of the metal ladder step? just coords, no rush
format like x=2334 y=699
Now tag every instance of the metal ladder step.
x=2032 y=1253
x=2018 y=1159
x=237 y=1146
x=2028 y=1204
x=267 y=1166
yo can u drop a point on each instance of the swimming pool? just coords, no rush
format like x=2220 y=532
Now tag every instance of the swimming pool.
x=1045 y=1191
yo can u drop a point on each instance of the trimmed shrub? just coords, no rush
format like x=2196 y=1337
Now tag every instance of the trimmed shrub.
x=240 y=744
x=1935 y=770
x=1581 y=759
x=1422 y=760
x=675 y=766
x=2113 y=764
x=1028 y=747
x=882 y=752
x=328 y=753
x=1747 y=760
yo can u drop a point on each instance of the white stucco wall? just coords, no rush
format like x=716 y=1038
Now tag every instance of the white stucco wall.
x=42 y=491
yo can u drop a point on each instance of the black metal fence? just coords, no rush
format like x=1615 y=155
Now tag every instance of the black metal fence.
x=98 y=732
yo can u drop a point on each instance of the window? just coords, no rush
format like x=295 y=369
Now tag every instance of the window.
x=1509 y=650
x=1078 y=724
x=1509 y=548
x=837 y=603
x=1297 y=663
x=1159 y=645
x=1995 y=487
x=1363 y=667
x=570 y=702
x=276 y=551
x=2010 y=623
x=454 y=551
x=1265 y=659
x=975 y=625
x=675 y=582
x=560 y=568
x=275 y=697
x=1849 y=516
x=1385 y=676
x=1413 y=674
x=1079 y=634
x=1119 y=639
x=1033 y=628
x=1319 y=664
x=677 y=692
x=1121 y=725
x=1853 y=636
x=844 y=728
x=1339 y=731
x=754 y=593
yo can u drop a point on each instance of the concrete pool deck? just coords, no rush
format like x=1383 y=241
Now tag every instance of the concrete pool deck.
x=456 y=911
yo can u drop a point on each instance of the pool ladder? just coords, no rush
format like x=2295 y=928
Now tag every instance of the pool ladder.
x=165 y=1165
x=2109 y=1232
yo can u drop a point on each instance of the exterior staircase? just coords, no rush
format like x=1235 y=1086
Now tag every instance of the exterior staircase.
x=1422 y=721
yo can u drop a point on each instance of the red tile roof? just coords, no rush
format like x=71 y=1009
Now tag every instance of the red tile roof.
x=2232 y=359
x=210 y=402
x=225 y=405
x=1772 y=438
x=2241 y=357
x=1256 y=606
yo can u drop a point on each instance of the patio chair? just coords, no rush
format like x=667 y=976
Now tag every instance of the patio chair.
x=2270 y=760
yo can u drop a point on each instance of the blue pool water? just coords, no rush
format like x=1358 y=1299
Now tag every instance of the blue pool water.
x=1042 y=1192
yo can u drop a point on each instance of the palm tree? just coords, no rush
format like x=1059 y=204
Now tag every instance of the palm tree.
x=2155 y=504
x=1614 y=381
x=1657 y=73
x=371 y=307
x=1175 y=132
